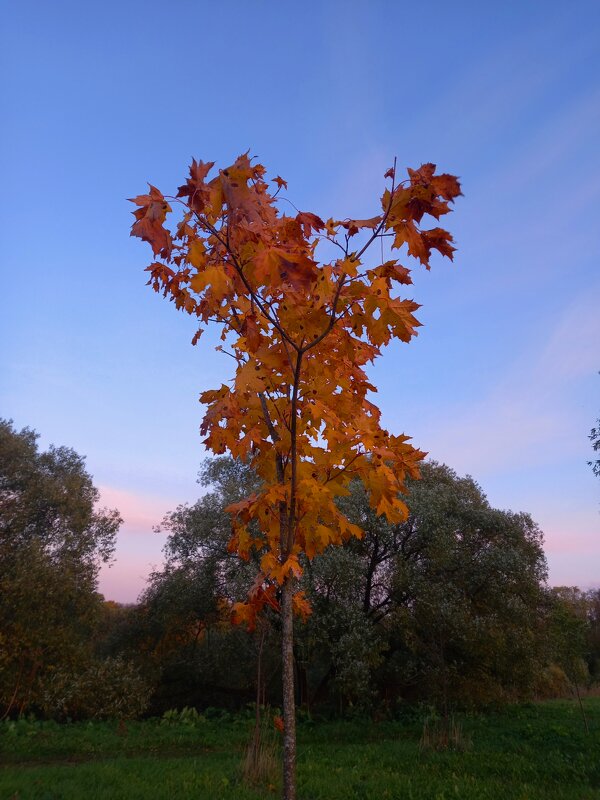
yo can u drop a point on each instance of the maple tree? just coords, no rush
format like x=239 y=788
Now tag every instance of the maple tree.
x=301 y=331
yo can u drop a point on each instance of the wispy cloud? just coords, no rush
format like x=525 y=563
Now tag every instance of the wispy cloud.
x=139 y=548
x=567 y=569
x=140 y=512
x=528 y=416
x=573 y=530
x=127 y=577
x=555 y=141
x=572 y=349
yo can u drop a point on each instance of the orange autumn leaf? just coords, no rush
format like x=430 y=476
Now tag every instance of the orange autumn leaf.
x=301 y=605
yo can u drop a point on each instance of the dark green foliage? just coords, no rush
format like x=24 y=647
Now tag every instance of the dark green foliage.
x=48 y=498
x=111 y=688
x=444 y=607
x=593 y=634
x=52 y=541
x=447 y=607
x=48 y=613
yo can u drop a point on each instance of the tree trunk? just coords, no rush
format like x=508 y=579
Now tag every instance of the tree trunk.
x=289 y=706
x=585 y=722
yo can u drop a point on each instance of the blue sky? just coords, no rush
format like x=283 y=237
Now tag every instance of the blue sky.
x=502 y=382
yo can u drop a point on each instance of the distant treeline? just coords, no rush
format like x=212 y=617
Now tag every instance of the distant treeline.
x=450 y=608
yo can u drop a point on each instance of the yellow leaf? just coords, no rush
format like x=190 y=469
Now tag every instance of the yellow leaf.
x=196 y=253
x=215 y=277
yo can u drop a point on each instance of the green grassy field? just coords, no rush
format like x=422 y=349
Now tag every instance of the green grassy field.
x=522 y=753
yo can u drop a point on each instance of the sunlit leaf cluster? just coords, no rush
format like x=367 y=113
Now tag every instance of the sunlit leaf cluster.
x=301 y=330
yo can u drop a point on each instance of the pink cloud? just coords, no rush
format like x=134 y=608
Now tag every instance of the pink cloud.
x=570 y=531
x=139 y=548
x=125 y=579
x=572 y=543
x=140 y=512
x=574 y=569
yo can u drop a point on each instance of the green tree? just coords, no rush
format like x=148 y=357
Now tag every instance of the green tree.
x=568 y=636
x=569 y=631
x=52 y=541
x=454 y=591
x=444 y=607
x=593 y=597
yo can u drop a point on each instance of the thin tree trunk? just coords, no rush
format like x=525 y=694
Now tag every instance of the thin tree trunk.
x=259 y=675
x=13 y=698
x=288 y=524
x=585 y=722
x=257 y=735
x=289 y=706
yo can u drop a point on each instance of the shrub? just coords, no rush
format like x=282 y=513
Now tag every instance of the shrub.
x=108 y=689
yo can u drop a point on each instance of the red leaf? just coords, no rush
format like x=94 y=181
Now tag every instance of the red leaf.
x=251 y=332
x=309 y=221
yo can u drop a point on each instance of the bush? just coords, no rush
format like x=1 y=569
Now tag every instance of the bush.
x=108 y=689
x=552 y=682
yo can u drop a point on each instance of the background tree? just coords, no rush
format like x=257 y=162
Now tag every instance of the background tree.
x=452 y=596
x=595 y=440
x=568 y=632
x=52 y=540
x=300 y=332
x=181 y=631
x=593 y=616
x=448 y=607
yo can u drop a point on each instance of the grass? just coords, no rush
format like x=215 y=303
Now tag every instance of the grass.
x=533 y=752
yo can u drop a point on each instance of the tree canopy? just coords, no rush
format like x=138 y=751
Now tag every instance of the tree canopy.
x=52 y=541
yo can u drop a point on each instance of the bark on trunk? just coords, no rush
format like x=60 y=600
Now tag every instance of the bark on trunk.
x=289 y=708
